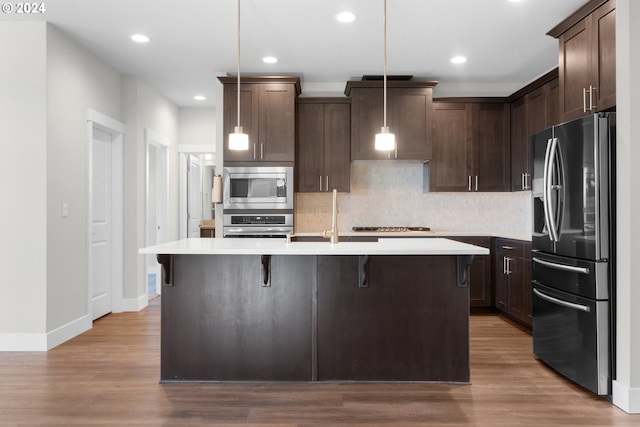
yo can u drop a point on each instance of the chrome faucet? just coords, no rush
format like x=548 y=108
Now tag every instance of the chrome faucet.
x=333 y=233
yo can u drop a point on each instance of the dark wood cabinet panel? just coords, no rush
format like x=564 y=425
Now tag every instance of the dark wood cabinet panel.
x=533 y=109
x=389 y=330
x=323 y=146
x=480 y=283
x=451 y=162
x=471 y=147
x=491 y=146
x=512 y=276
x=587 y=63
x=267 y=115
x=409 y=117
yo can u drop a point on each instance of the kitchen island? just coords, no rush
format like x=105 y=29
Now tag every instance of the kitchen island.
x=267 y=310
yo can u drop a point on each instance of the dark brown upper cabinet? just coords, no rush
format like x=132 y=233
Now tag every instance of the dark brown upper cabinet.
x=587 y=60
x=323 y=153
x=470 y=145
x=267 y=115
x=533 y=108
x=409 y=117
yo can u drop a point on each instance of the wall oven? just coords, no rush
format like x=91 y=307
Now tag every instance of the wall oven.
x=258 y=201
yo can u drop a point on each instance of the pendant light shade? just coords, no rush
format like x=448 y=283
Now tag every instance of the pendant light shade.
x=385 y=141
x=238 y=140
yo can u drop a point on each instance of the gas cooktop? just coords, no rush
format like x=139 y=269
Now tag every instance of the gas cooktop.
x=390 y=229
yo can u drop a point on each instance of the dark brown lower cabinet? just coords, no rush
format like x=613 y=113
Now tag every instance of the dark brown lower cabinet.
x=512 y=273
x=480 y=283
x=391 y=318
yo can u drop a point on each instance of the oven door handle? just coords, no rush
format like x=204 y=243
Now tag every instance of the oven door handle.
x=560 y=302
x=571 y=268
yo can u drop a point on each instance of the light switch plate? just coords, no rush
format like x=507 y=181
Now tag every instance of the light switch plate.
x=65 y=210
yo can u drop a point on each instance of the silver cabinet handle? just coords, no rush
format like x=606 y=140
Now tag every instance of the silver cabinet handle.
x=526 y=181
x=476 y=182
x=261 y=150
x=560 y=302
x=591 y=105
x=522 y=180
x=254 y=151
x=508 y=265
x=469 y=182
x=509 y=248
x=571 y=268
x=504 y=265
x=320 y=183
x=327 y=183
x=584 y=99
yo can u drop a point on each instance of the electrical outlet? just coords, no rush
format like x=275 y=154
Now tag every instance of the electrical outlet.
x=65 y=210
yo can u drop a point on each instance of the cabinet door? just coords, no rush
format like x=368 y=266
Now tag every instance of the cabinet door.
x=554 y=102
x=491 y=146
x=574 y=67
x=502 y=283
x=604 y=55
x=277 y=123
x=249 y=113
x=366 y=121
x=411 y=121
x=480 y=294
x=515 y=271
x=519 y=144
x=337 y=147
x=526 y=292
x=310 y=150
x=451 y=162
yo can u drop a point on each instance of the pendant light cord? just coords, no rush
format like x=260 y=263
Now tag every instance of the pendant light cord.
x=384 y=77
x=239 y=63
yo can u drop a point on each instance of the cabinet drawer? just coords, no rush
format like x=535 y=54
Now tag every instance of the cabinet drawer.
x=514 y=248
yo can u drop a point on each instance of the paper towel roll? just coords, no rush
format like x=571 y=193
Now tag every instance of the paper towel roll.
x=216 y=192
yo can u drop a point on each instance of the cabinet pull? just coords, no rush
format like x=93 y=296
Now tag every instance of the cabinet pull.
x=261 y=150
x=584 y=99
x=320 y=183
x=469 y=182
x=591 y=106
x=526 y=181
x=254 y=151
x=476 y=182
x=504 y=265
x=508 y=271
x=509 y=248
x=522 y=180
x=326 y=187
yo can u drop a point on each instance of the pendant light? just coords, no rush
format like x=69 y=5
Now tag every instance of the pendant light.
x=238 y=140
x=385 y=141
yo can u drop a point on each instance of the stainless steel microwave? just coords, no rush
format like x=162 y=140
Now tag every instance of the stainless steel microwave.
x=258 y=187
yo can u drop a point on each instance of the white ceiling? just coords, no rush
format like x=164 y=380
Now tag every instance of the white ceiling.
x=192 y=41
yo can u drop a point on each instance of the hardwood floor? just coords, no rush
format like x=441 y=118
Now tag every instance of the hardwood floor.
x=109 y=376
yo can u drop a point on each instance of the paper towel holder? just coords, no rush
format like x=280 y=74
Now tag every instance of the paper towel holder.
x=216 y=191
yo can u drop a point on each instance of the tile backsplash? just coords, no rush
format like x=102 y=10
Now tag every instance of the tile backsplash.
x=391 y=194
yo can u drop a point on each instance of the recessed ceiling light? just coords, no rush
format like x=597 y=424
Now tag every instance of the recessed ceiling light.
x=458 y=60
x=199 y=97
x=140 y=38
x=269 y=59
x=346 y=17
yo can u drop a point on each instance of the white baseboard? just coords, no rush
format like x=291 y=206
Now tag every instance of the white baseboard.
x=626 y=398
x=45 y=341
x=135 y=304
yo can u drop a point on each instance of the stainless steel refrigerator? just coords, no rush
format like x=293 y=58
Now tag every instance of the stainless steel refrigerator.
x=573 y=191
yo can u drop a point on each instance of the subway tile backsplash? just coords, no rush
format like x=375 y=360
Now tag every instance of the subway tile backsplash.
x=391 y=194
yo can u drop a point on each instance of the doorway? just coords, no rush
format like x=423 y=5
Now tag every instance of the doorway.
x=156 y=205
x=105 y=271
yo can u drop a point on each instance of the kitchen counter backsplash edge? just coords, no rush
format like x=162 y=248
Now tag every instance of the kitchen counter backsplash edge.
x=436 y=233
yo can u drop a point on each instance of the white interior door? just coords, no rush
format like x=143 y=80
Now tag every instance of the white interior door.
x=101 y=224
x=194 y=197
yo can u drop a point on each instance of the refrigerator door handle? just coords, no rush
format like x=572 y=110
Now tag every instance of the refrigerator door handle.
x=571 y=268
x=549 y=165
x=560 y=302
x=546 y=189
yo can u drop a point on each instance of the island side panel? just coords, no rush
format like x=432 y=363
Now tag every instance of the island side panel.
x=220 y=324
x=411 y=322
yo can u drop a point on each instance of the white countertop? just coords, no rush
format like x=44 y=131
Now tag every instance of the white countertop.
x=277 y=246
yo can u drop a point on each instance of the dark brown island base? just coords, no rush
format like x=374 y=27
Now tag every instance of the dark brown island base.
x=291 y=312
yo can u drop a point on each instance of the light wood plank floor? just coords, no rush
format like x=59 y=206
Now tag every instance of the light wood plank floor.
x=109 y=376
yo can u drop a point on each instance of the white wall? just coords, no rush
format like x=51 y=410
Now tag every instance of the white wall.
x=76 y=82
x=626 y=388
x=144 y=108
x=197 y=126
x=23 y=177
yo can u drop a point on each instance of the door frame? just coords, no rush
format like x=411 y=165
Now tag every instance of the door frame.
x=116 y=129
x=183 y=152
x=158 y=141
